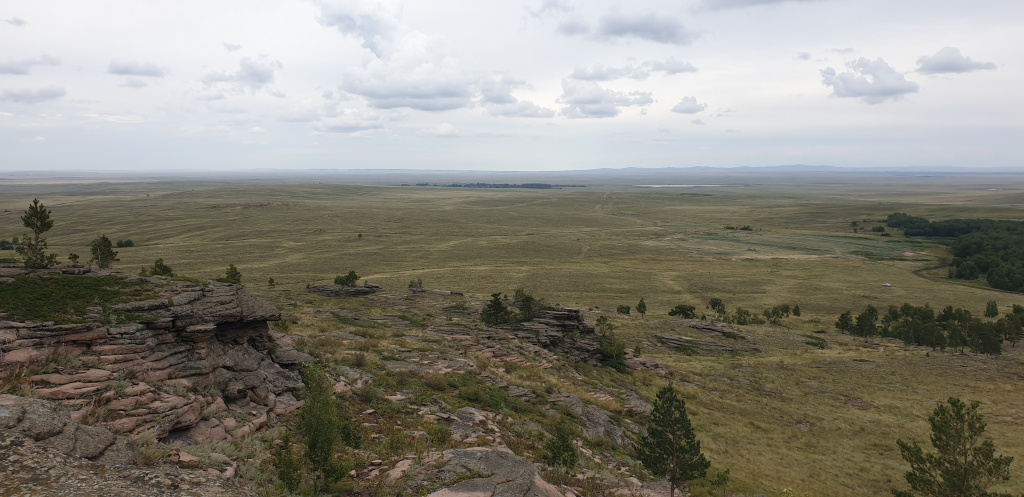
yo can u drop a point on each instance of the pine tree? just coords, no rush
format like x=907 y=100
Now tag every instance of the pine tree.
x=495 y=312
x=37 y=219
x=670 y=448
x=232 y=275
x=845 y=322
x=963 y=465
x=641 y=308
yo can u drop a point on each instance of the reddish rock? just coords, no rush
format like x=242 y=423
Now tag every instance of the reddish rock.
x=217 y=406
x=87 y=376
x=207 y=431
x=70 y=390
x=26 y=355
x=124 y=425
x=139 y=389
x=187 y=461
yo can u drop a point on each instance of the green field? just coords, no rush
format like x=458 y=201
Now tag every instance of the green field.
x=821 y=422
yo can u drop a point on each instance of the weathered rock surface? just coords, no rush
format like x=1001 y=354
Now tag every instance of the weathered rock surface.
x=508 y=475
x=214 y=338
x=32 y=468
x=597 y=423
x=343 y=291
x=51 y=426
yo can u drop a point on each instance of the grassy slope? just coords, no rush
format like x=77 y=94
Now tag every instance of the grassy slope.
x=669 y=246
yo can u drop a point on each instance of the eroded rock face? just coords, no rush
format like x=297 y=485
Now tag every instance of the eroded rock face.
x=50 y=425
x=147 y=373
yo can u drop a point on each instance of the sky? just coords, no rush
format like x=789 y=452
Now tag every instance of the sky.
x=509 y=85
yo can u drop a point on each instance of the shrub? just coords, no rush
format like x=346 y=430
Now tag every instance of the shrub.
x=439 y=434
x=159 y=269
x=559 y=449
x=612 y=351
x=683 y=311
x=349 y=279
x=231 y=275
x=288 y=462
x=622 y=309
x=742 y=316
x=324 y=426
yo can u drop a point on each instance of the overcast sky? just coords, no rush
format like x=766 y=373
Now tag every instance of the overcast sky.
x=510 y=85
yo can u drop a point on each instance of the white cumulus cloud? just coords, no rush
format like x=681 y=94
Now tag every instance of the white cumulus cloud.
x=689 y=105
x=873 y=81
x=251 y=74
x=586 y=99
x=950 y=60
x=374 y=23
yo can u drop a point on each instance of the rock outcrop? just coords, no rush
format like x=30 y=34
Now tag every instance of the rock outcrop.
x=50 y=425
x=148 y=372
x=343 y=291
x=503 y=475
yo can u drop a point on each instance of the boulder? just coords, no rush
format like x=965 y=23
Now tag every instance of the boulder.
x=187 y=461
x=508 y=475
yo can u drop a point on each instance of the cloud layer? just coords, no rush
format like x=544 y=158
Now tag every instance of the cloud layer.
x=540 y=83
x=32 y=96
x=601 y=72
x=23 y=66
x=133 y=68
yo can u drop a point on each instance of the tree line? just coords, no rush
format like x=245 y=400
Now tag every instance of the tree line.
x=952 y=327
x=989 y=247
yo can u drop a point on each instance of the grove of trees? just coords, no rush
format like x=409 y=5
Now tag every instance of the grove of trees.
x=921 y=325
x=989 y=247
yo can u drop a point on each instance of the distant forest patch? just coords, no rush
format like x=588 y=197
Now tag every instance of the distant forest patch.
x=989 y=247
x=535 y=186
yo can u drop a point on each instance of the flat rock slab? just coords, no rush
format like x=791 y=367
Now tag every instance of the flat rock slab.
x=507 y=475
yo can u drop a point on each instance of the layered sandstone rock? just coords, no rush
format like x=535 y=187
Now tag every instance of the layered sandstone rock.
x=148 y=373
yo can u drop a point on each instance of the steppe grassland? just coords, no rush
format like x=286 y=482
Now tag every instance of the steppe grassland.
x=822 y=422
x=597 y=246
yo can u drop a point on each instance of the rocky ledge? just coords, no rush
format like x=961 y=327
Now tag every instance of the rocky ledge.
x=190 y=353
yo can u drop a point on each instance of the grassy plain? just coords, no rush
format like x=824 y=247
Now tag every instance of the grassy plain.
x=818 y=421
